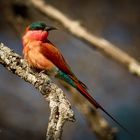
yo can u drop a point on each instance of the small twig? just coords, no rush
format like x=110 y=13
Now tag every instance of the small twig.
x=104 y=46
x=59 y=105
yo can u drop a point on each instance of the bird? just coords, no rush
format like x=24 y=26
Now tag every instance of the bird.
x=41 y=54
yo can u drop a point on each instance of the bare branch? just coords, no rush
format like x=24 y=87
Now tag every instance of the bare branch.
x=59 y=105
x=104 y=46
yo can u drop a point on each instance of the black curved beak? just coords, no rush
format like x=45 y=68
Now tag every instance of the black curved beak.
x=49 y=28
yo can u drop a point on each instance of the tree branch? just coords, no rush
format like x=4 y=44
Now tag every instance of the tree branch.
x=59 y=106
x=104 y=46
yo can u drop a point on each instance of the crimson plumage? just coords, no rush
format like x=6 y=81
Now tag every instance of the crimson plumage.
x=40 y=53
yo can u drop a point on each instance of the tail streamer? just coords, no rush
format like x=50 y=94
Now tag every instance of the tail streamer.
x=84 y=92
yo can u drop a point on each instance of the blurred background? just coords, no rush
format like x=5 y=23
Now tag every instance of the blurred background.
x=24 y=112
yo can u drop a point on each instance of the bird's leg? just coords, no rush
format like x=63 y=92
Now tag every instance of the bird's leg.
x=42 y=72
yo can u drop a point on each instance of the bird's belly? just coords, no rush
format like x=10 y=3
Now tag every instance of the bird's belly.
x=39 y=61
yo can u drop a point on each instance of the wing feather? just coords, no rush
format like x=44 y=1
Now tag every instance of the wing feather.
x=54 y=55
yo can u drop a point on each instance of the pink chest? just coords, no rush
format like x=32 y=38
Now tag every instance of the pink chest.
x=37 y=35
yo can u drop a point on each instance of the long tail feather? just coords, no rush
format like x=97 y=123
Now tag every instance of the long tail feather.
x=73 y=81
x=84 y=92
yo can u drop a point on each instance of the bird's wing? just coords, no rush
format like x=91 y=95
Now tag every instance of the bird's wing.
x=55 y=56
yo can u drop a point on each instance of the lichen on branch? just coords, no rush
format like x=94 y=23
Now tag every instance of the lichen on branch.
x=60 y=107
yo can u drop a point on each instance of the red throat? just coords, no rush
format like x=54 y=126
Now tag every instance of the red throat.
x=37 y=35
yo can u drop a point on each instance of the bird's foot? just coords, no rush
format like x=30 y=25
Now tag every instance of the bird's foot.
x=42 y=72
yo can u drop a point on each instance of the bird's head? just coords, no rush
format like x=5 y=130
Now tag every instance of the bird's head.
x=38 y=31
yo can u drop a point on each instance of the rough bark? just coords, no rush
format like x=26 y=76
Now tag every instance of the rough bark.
x=60 y=107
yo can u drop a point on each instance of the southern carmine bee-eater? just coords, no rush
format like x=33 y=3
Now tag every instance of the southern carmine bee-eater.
x=40 y=53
